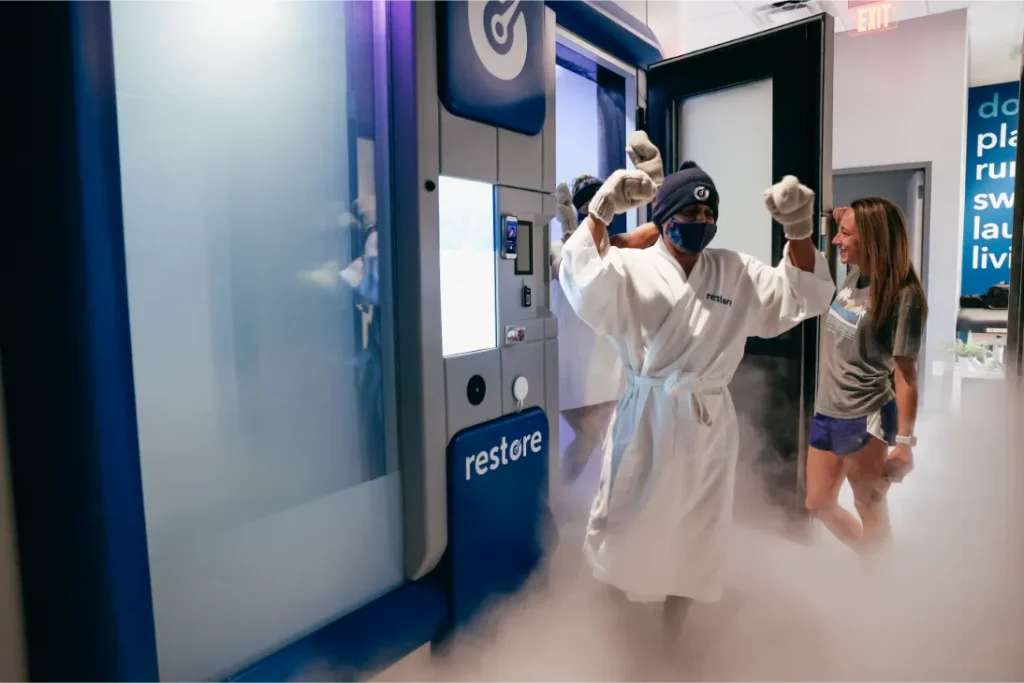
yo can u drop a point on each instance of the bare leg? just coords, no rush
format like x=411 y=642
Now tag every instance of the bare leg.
x=589 y=425
x=869 y=487
x=825 y=475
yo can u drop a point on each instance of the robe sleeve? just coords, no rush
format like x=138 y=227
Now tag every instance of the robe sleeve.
x=785 y=295
x=596 y=283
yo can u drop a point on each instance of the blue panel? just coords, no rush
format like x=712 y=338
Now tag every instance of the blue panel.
x=989 y=185
x=610 y=28
x=497 y=508
x=362 y=642
x=491 y=63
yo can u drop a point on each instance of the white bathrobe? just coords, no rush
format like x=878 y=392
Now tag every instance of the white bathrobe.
x=589 y=368
x=660 y=522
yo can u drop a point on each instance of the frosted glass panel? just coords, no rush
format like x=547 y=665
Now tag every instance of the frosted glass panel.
x=729 y=133
x=247 y=136
x=576 y=139
x=467 y=240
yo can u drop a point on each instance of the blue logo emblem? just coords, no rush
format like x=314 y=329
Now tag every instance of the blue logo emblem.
x=491 y=62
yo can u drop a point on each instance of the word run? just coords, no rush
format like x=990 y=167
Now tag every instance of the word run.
x=488 y=461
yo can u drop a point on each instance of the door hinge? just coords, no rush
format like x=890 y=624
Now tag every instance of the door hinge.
x=641 y=118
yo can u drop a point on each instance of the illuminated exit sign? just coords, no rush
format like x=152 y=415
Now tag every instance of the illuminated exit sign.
x=872 y=16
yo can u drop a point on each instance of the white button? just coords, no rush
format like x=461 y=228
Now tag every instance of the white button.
x=520 y=388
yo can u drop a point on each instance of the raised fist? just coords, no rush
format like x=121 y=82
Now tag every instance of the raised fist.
x=645 y=156
x=792 y=205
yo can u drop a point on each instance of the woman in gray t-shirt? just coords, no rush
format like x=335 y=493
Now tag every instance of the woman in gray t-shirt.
x=867 y=382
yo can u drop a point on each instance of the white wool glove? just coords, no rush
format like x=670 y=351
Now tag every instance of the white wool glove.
x=792 y=205
x=622 y=191
x=645 y=156
x=565 y=211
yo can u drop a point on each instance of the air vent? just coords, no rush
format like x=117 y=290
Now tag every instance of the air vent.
x=785 y=11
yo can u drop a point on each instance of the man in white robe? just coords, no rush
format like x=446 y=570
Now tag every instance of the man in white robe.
x=679 y=316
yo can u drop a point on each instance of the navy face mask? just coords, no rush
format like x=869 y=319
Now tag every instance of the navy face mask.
x=690 y=238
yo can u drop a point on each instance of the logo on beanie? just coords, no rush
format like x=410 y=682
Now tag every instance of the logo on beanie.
x=701 y=193
x=499 y=37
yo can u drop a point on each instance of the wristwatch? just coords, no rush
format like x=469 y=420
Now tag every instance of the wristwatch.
x=907 y=440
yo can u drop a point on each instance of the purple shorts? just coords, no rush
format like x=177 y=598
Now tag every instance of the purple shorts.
x=844 y=436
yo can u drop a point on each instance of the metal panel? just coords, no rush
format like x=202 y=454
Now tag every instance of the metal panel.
x=551 y=327
x=551 y=403
x=528 y=207
x=523 y=360
x=458 y=371
x=418 y=301
x=548 y=162
x=468 y=149
x=521 y=159
x=534 y=330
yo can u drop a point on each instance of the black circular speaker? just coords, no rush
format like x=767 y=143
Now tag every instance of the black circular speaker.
x=476 y=389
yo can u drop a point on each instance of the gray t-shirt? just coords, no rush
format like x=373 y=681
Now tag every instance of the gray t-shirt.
x=857 y=363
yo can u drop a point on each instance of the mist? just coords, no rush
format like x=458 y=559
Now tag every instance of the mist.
x=945 y=603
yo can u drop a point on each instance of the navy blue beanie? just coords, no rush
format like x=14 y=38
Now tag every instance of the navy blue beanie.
x=689 y=185
x=584 y=188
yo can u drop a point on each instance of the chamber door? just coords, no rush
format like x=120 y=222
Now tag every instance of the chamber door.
x=750 y=112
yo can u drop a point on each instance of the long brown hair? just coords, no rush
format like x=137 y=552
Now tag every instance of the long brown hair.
x=883 y=237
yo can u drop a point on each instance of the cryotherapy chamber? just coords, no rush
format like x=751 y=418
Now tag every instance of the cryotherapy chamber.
x=218 y=374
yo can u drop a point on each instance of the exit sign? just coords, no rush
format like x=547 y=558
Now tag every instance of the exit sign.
x=870 y=17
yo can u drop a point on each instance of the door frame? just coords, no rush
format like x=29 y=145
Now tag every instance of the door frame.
x=925 y=240
x=587 y=50
x=925 y=166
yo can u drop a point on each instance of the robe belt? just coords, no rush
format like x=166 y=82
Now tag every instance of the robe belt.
x=683 y=384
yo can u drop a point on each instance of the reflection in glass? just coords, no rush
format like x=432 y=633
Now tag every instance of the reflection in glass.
x=247 y=142
x=466 y=226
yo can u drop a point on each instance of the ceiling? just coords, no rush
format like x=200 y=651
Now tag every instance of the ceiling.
x=995 y=27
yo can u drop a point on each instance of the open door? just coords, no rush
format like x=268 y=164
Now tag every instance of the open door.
x=750 y=112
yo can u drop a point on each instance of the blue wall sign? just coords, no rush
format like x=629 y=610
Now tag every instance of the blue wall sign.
x=497 y=508
x=988 y=186
x=491 y=62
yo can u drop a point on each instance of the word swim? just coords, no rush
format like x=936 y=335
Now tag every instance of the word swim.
x=487 y=461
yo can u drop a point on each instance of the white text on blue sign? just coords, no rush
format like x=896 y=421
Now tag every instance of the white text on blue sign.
x=488 y=461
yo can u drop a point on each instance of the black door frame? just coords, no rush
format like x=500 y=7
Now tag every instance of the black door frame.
x=1015 y=322
x=798 y=60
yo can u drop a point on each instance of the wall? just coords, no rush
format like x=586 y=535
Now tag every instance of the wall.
x=901 y=97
